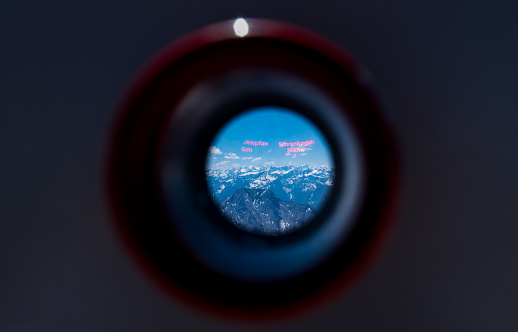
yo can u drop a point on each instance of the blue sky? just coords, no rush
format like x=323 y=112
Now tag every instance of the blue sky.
x=269 y=124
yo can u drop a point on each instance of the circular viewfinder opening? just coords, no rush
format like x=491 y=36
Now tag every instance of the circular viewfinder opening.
x=269 y=170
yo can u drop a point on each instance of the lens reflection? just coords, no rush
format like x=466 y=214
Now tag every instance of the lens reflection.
x=269 y=170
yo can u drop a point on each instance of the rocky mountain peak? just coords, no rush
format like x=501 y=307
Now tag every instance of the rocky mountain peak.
x=259 y=211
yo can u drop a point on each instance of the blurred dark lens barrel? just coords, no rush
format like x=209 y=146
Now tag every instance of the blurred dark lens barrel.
x=158 y=188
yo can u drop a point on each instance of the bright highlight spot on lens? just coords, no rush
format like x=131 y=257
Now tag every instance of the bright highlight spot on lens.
x=269 y=171
x=241 y=27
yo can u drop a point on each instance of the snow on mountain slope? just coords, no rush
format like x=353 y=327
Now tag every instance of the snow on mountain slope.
x=302 y=184
x=259 y=211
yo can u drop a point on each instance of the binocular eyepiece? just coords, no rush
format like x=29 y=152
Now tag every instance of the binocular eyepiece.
x=252 y=172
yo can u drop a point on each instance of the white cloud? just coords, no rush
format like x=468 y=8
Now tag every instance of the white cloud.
x=269 y=163
x=256 y=159
x=303 y=154
x=231 y=156
x=224 y=165
x=214 y=150
x=287 y=154
x=226 y=162
x=246 y=158
x=269 y=151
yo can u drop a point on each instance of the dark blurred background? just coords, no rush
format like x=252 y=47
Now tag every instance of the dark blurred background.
x=448 y=69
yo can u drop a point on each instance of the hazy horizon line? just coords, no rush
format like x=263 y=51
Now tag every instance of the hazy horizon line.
x=264 y=165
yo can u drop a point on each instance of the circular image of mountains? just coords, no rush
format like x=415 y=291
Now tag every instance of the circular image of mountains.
x=269 y=170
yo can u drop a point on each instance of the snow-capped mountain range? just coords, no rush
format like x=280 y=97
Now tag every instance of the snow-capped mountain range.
x=259 y=211
x=299 y=184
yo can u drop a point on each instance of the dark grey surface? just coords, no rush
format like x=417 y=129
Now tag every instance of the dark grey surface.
x=448 y=69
